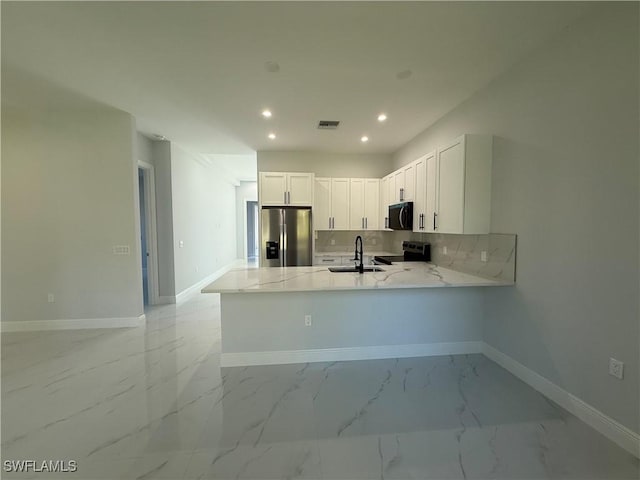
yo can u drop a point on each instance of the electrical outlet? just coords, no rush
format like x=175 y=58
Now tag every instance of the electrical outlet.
x=483 y=256
x=181 y=244
x=444 y=250
x=51 y=298
x=307 y=320
x=373 y=241
x=333 y=242
x=616 y=368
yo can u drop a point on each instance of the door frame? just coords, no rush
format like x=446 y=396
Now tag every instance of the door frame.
x=245 y=231
x=149 y=185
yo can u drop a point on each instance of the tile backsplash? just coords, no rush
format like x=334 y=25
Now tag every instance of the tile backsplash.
x=343 y=241
x=464 y=253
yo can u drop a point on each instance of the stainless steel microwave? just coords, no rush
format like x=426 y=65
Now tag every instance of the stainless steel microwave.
x=401 y=216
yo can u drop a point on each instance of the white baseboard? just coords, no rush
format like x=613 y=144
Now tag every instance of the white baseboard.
x=73 y=324
x=242 y=359
x=610 y=428
x=165 y=300
x=197 y=287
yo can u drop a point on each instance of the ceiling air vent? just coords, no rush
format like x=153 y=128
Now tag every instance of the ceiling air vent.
x=328 y=124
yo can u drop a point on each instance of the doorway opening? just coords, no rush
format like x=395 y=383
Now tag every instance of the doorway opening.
x=252 y=251
x=148 y=234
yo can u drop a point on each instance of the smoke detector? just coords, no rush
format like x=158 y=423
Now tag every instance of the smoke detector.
x=328 y=124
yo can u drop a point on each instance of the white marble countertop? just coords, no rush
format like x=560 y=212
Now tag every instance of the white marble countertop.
x=304 y=279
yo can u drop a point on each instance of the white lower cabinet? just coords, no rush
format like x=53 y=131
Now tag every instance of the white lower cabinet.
x=331 y=260
x=326 y=260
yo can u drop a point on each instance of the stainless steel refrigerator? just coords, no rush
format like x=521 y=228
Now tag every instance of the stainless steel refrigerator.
x=286 y=237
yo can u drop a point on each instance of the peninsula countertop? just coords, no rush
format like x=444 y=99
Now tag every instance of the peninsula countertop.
x=319 y=278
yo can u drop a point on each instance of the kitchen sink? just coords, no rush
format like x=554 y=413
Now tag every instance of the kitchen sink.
x=355 y=269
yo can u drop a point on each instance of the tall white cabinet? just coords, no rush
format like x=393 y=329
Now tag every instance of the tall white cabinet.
x=462 y=186
x=331 y=204
x=364 y=204
x=420 y=215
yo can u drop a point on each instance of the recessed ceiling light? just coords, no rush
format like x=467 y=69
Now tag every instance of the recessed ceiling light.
x=266 y=113
x=272 y=136
x=364 y=139
x=382 y=117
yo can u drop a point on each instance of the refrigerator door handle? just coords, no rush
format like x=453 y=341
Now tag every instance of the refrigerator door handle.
x=285 y=245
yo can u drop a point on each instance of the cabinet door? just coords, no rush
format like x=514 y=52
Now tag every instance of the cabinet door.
x=340 y=203
x=393 y=195
x=273 y=186
x=356 y=204
x=384 y=202
x=325 y=260
x=431 y=193
x=371 y=203
x=322 y=204
x=398 y=194
x=419 y=198
x=300 y=188
x=409 y=185
x=451 y=189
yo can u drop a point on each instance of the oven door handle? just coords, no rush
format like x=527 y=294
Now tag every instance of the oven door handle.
x=400 y=217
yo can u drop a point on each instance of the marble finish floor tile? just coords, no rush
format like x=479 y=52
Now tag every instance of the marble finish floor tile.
x=154 y=403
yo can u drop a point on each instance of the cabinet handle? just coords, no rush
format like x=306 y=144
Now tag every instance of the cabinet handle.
x=363 y=223
x=434 y=220
x=285 y=198
x=366 y=223
x=288 y=198
x=402 y=194
x=386 y=222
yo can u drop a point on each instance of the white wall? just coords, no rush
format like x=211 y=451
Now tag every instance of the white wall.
x=245 y=191
x=68 y=196
x=325 y=164
x=204 y=218
x=565 y=180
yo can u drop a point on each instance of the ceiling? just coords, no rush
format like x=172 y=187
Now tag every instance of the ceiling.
x=195 y=71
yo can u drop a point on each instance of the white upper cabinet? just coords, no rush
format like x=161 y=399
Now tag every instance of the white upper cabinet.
x=340 y=203
x=331 y=204
x=364 y=204
x=372 y=204
x=401 y=184
x=431 y=193
x=409 y=185
x=286 y=188
x=322 y=204
x=463 y=189
x=420 y=193
x=384 y=203
x=273 y=188
x=356 y=204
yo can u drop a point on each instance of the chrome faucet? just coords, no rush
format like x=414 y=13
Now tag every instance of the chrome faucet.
x=361 y=266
